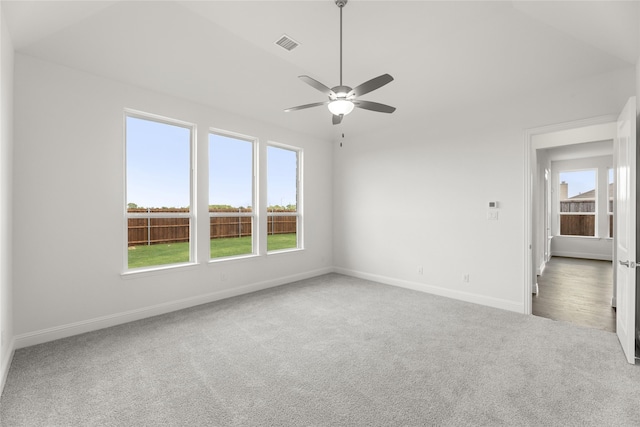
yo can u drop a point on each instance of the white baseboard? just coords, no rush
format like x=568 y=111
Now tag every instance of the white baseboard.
x=541 y=268
x=436 y=290
x=583 y=255
x=6 y=364
x=76 y=328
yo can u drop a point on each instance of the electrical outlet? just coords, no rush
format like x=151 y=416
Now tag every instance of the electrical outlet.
x=420 y=270
x=465 y=278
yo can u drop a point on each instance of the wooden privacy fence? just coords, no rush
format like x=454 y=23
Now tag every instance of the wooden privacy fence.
x=152 y=230
x=578 y=205
x=581 y=224
x=577 y=225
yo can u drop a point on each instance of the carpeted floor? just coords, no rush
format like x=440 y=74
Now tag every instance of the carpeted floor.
x=328 y=351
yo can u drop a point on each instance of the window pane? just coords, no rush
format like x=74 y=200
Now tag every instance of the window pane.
x=158 y=164
x=231 y=236
x=610 y=191
x=610 y=195
x=230 y=191
x=577 y=225
x=230 y=172
x=158 y=241
x=282 y=198
x=281 y=232
x=158 y=184
x=578 y=195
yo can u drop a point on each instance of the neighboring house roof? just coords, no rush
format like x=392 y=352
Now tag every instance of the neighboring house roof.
x=591 y=194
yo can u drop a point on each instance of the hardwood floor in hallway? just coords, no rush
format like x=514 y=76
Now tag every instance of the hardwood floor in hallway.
x=577 y=291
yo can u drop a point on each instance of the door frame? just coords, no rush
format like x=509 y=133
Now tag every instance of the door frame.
x=530 y=165
x=547 y=216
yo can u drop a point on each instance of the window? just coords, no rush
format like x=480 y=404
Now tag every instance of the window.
x=611 y=191
x=231 y=195
x=158 y=191
x=284 y=208
x=577 y=199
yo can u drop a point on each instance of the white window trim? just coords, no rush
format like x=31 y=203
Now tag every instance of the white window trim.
x=254 y=214
x=192 y=196
x=299 y=202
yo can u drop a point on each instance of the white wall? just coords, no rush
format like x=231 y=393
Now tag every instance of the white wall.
x=638 y=69
x=6 y=154
x=69 y=222
x=600 y=247
x=416 y=194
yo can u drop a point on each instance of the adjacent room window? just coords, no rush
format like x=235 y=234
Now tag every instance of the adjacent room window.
x=231 y=195
x=158 y=191
x=284 y=207
x=611 y=192
x=577 y=199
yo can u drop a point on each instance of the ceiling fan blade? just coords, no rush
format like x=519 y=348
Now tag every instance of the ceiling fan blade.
x=374 y=106
x=337 y=119
x=302 y=107
x=371 y=85
x=316 y=84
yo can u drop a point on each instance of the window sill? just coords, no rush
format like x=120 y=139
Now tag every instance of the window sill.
x=285 y=251
x=232 y=258
x=582 y=237
x=153 y=271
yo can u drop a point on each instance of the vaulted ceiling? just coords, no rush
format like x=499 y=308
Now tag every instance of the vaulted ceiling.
x=443 y=55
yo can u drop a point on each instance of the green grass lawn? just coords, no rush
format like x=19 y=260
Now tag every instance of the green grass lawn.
x=145 y=256
x=173 y=253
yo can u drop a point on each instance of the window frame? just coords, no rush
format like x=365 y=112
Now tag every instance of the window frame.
x=299 y=213
x=611 y=199
x=254 y=214
x=191 y=215
x=594 y=213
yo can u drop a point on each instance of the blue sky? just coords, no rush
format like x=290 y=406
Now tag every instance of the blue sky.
x=579 y=181
x=230 y=171
x=158 y=168
x=157 y=164
x=281 y=176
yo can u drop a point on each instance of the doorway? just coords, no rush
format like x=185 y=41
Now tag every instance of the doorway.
x=564 y=140
x=621 y=130
x=574 y=280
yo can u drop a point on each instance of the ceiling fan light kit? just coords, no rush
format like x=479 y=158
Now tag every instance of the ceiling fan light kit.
x=341 y=107
x=342 y=99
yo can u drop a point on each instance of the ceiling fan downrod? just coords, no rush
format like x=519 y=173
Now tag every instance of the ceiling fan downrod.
x=341 y=4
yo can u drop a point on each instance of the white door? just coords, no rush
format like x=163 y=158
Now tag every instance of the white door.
x=625 y=216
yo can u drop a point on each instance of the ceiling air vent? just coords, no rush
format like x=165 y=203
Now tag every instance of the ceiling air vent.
x=287 y=43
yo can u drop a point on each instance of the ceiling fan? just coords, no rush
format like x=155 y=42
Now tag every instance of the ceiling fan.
x=343 y=99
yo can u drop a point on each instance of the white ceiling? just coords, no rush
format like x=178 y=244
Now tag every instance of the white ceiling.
x=443 y=55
